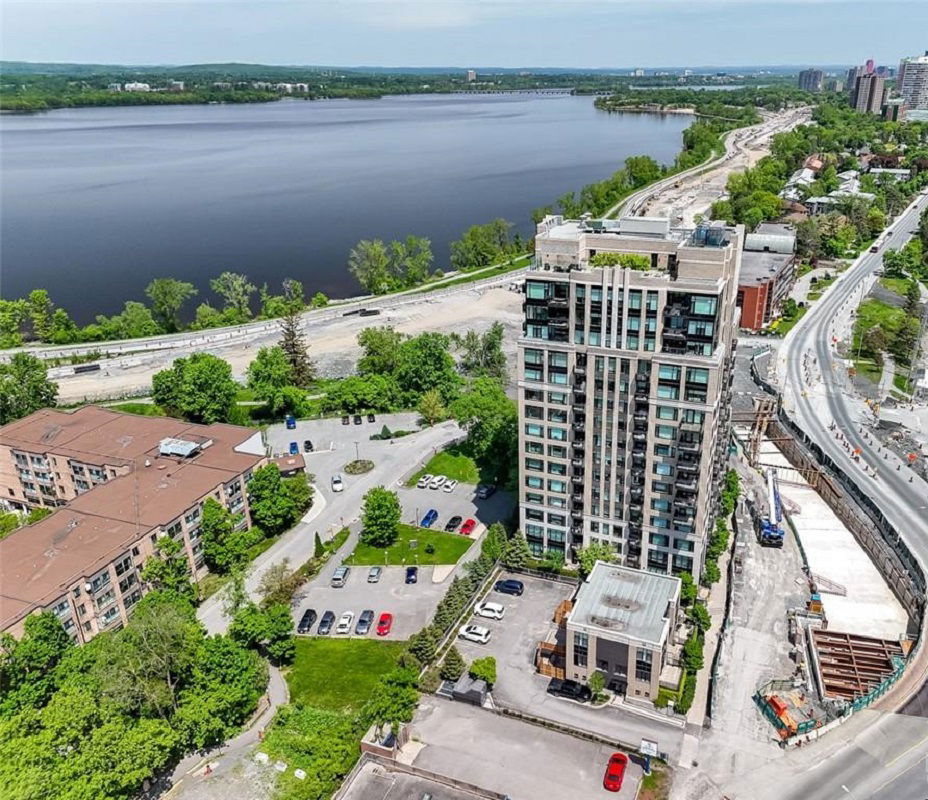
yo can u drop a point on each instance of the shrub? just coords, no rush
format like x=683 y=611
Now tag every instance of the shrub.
x=430 y=681
x=358 y=467
x=687 y=695
x=484 y=669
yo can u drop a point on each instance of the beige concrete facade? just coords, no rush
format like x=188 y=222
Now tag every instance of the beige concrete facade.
x=624 y=379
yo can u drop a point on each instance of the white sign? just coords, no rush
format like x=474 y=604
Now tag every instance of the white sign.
x=648 y=748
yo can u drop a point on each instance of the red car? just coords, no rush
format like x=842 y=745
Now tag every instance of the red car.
x=615 y=772
x=468 y=527
x=384 y=624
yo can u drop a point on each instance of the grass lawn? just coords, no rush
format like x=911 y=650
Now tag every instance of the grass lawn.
x=339 y=674
x=897 y=286
x=871 y=313
x=480 y=274
x=869 y=369
x=901 y=382
x=785 y=325
x=449 y=547
x=144 y=409
x=452 y=463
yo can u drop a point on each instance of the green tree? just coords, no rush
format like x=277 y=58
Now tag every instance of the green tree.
x=358 y=393
x=41 y=310
x=642 y=170
x=494 y=543
x=624 y=260
x=692 y=653
x=688 y=590
x=589 y=555
x=481 y=245
x=913 y=297
x=269 y=374
x=224 y=548
x=431 y=407
x=410 y=261
x=424 y=363
x=381 y=350
x=424 y=644
x=199 y=387
x=516 y=553
x=905 y=340
x=484 y=669
x=482 y=354
x=236 y=292
x=293 y=344
x=596 y=684
x=168 y=568
x=875 y=343
x=300 y=494
x=452 y=666
x=168 y=296
x=491 y=421
x=26 y=666
x=280 y=644
x=62 y=329
x=699 y=615
x=380 y=517
x=369 y=262
x=272 y=507
x=24 y=387
x=12 y=315
x=319 y=300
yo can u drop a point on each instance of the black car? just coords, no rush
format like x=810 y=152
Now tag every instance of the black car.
x=307 y=446
x=364 y=622
x=346 y=420
x=412 y=574
x=326 y=623
x=510 y=586
x=371 y=418
x=570 y=689
x=453 y=524
x=307 y=621
x=357 y=419
x=485 y=491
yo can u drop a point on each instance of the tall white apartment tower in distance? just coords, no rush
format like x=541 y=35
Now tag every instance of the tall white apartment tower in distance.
x=625 y=366
x=912 y=81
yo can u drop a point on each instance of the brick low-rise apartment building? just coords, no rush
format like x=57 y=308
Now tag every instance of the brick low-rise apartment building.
x=117 y=483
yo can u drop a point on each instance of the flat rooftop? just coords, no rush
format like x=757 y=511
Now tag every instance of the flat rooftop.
x=618 y=600
x=376 y=781
x=759 y=267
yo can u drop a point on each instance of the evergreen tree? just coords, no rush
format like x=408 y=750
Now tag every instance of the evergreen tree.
x=453 y=665
x=293 y=343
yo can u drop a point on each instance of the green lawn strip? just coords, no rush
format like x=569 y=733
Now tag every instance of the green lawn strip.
x=869 y=369
x=479 y=275
x=448 y=547
x=452 y=463
x=897 y=286
x=871 y=313
x=785 y=325
x=143 y=409
x=339 y=674
x=901 y=382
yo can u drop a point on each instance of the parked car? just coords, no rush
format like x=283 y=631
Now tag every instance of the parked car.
x=429 y=519
x=346 y=420
x=291 y=422
x=306 y=621
x=371 y=418
x=452 y=525
x=325 y=624
x=344 y=624
x=384 y=624
x=357 y=419
x=340 y=577
x=307 y=446
x=489 y=610
x=475 y=633
x=412 y=574
x=485 y=491
x=424 y=481
x=294 y=448
x=615 y=772
x=437 y=482
x=364 y=622
x=337 y=483
x=510 y=586
x=373 y=574
x=449 y=485
x=570 y=689
x=468 y=527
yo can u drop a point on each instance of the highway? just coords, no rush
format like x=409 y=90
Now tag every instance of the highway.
x=883 y=755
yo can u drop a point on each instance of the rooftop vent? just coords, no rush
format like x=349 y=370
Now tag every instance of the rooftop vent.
x=178 y=447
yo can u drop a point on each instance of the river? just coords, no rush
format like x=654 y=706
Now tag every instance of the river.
x=95 y=202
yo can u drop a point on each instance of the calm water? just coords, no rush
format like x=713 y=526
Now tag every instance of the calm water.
x=96 y=202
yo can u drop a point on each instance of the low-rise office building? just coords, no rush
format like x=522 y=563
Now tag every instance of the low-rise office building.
x=117 y=483
x=622 y=625
x=768 y=271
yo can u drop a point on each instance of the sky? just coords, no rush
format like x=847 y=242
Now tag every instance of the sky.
x=465 y=33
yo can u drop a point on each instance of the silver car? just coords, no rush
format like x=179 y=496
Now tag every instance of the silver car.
x=373 y=574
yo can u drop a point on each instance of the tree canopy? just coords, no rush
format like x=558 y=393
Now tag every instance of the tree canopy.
x=24 y=387
x=199 y=388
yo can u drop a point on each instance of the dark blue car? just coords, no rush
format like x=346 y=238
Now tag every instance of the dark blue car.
x=412 y=574
x=291 y=422
x=429 y=519
x=294 y=449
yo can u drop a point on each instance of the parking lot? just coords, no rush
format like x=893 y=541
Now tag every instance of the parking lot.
x=513 y=639
x=461 y=502
x=412 y=605
x=504 y=755
x=329 y=433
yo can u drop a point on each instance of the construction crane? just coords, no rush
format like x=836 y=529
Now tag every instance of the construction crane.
x=771 y=526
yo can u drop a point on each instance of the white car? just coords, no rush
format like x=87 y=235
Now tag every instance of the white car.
x=437 y=482
x=489 y=610
x=474 y=633
x=449 y=486
x=337 y=484
x=424 y=481
x=344 y=624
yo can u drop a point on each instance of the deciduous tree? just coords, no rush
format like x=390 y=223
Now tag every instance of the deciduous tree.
x=24 y=387
x=199 y=387
x=168 y=296
x=236 y=292
x=380 y=517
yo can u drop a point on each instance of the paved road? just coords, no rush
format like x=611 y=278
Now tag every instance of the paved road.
x=332 y=511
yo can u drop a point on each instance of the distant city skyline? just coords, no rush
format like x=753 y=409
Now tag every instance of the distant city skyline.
x=610 y=34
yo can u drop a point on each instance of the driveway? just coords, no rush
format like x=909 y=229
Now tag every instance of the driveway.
x=330 y=434
x=332 y=511
x=513 y=639
x=511 y=757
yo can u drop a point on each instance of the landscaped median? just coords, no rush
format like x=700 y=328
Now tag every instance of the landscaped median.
x=431 y=548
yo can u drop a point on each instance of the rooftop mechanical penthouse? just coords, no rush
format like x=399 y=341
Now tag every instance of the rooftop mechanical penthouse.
x=625 y=365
